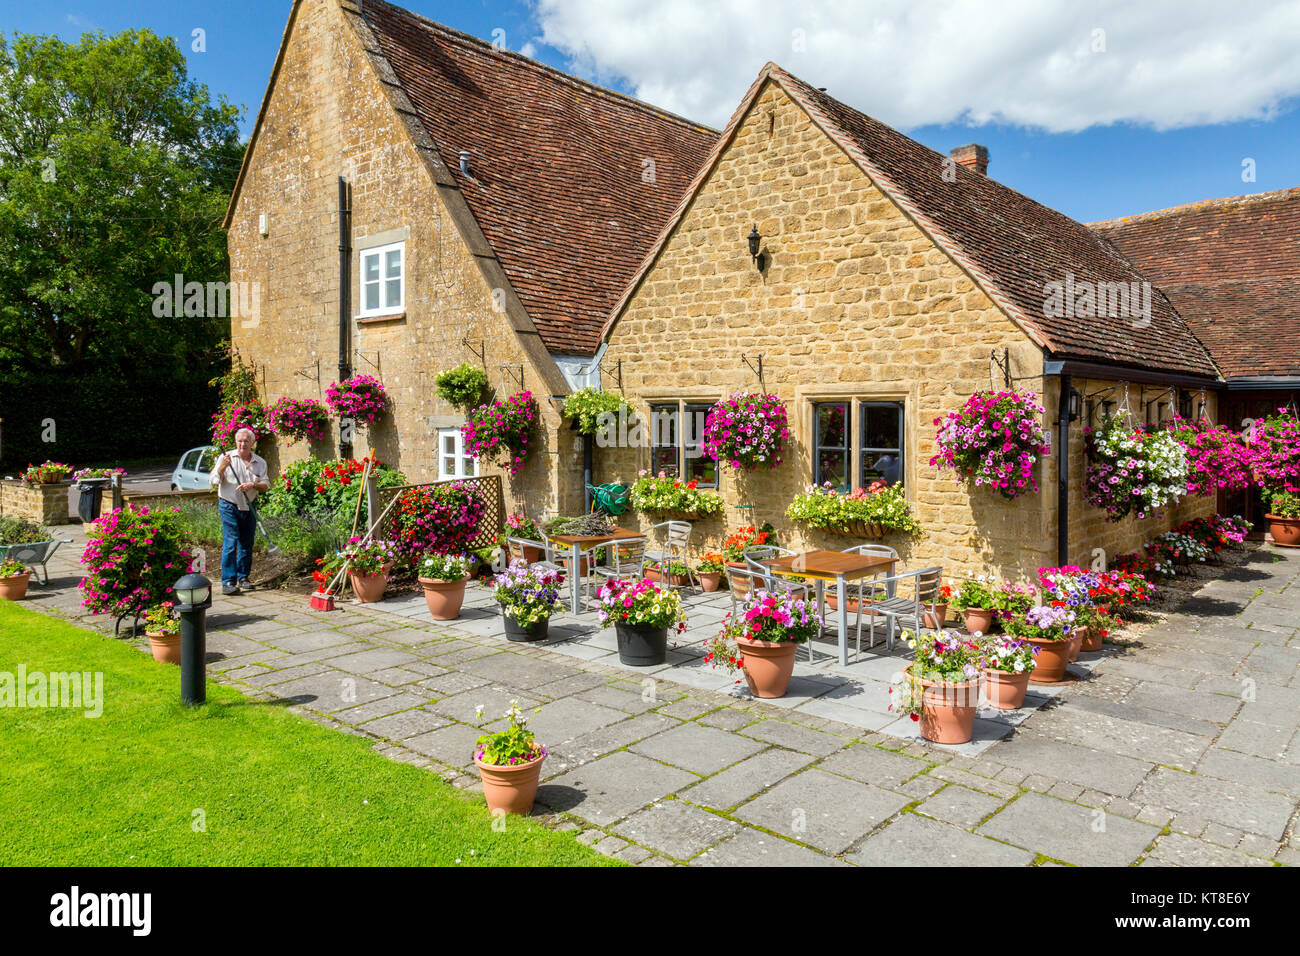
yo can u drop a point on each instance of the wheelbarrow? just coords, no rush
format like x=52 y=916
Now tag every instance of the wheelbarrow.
x=34 y=555
x=613 y=499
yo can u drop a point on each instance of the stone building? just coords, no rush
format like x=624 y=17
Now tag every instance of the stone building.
x=496 y=209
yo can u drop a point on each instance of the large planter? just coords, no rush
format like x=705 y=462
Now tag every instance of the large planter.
x=768 y=666
x=1285 y=531
x=710 y=580
x=14 y=587
x=1091 y=638
x=948 y=710
x=443 y=597
x=536 y=631
x=641 y=645
x=1005 y=690
x=1050 y=660
x=369 y=588
x=977 y=619
x=511 y=788
x=166 y=648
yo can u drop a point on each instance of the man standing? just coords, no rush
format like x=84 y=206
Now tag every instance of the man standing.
x=239 y=476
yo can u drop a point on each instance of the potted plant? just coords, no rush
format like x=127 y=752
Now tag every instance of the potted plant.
x=740 y=541
x=48 y=473
x=652 y=572
x=976 y=599
x=591 y=407
x=361 y=398
x=1007 y=663
x=1283 y=517
x=528 y=597
x=870 y=512
x=163 y=629
x=501 y=433
x=746 y=431
x=937 y=619
x=641 y=614
x=709 y=570
x=1049 y=629
x=443 y=576
x=940 y=688
x=13 y=580
x=994 y=440
x=1088 y=594
x=522 y=526
x=762 y=638
x=437 y=519
x=463 y=387
x=672 y=499
x=368 y=567
x=510 y=763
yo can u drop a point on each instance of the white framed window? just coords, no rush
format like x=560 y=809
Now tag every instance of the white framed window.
x=383 y=279
x=452 y=460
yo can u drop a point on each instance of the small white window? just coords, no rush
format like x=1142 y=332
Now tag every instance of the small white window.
x=452 y=460
x=383 y=279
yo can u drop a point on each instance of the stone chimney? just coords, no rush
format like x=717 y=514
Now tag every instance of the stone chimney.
x=972 y=156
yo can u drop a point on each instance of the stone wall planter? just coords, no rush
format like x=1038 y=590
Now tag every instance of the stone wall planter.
x=44 y=504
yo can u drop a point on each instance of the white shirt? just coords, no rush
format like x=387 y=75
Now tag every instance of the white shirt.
x=238 y=473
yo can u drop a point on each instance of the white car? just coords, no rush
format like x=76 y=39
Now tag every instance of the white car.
x=194 y=470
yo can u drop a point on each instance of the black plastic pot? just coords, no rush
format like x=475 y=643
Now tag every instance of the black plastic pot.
x=92 y=498
x=641 y=645
x=534 y=632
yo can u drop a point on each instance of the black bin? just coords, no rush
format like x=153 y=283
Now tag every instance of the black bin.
x=92 y=498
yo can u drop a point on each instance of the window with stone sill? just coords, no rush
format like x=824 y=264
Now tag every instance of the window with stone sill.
x=858 y=441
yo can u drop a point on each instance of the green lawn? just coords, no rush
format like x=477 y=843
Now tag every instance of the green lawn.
x=274 y=789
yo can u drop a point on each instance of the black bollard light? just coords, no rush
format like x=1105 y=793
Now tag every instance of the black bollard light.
x=193 y=598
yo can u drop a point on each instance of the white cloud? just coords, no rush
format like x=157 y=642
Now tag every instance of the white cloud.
x=529 y=50
x=1165 y=63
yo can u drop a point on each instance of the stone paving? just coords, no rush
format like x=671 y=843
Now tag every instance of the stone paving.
x=1181 y=748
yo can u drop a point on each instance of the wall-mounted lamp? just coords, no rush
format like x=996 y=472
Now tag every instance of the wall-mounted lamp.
x=1076 y=401
x=754 y=240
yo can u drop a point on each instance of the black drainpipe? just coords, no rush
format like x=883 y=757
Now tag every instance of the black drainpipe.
x=345 y=299
x=1063 y=474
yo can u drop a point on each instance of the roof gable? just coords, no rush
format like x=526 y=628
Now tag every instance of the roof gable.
x=1232 y=267
x=1010 y=245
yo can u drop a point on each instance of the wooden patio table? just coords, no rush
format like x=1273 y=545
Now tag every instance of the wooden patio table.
x=577 y=542
x=823 y=566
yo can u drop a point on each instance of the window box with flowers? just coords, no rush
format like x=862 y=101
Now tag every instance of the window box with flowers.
x=672 y=499
x=870 y=512
x=940 y=688
x=502 y=432
x=746 y=431
x=679 y=573
x=361 y=398
x=641 y=614
x=762 y=637
x=293 y=420
x=995 y=440
x=1133 y=471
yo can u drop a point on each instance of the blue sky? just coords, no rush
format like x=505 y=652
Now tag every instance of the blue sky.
x=1107 y=168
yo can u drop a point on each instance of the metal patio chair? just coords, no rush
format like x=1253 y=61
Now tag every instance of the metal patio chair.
x=676 y=541
x=904 y=612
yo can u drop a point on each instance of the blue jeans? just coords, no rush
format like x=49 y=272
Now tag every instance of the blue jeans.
x=236 y=542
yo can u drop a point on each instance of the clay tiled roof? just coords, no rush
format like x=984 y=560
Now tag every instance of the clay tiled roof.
x=1009 y=244
x=570 y=183
x=1232 y=268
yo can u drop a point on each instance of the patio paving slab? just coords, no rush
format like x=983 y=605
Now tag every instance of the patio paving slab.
x=676 y=829
x=795 y=737
x=407 y=723
x=915 y=841
x=873 y=765
x=452 y=745
x=1069 y=832
x=703 y=750
x=1231 y=804
x=612 y=787
x=1086 y=766
x=752 y=847
x=960 y=806
x=822 y=810
x=746 y=779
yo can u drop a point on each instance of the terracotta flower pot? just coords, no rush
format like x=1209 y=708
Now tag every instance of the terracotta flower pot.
x=1050 y=660
x=741 y=584
x=1005 y=690
x=948 y=710
x=585 y=565
x=166 y=648
x=1076 y=644
x=532 y=555
x=369 y=588
x=833 y=602
x=443 y=597
x=14 y=587
x=536 y=631
x=680 y=580
x=710 y=580
x=936 y=620
x=641 y=645
x=977 y=619
x=768 y=666
x=1091 y=639
x=1285 y=531
x=511 y=788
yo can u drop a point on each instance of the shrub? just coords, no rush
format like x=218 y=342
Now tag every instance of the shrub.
x=441 y=518
x=22 y=531
x=295 y=420
x=587 y=405
x=463 y=387
x=500 y=433
x=746 y=430
x=312 y=486
x=994 y=440
x=361 y=398
x=133 y=558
